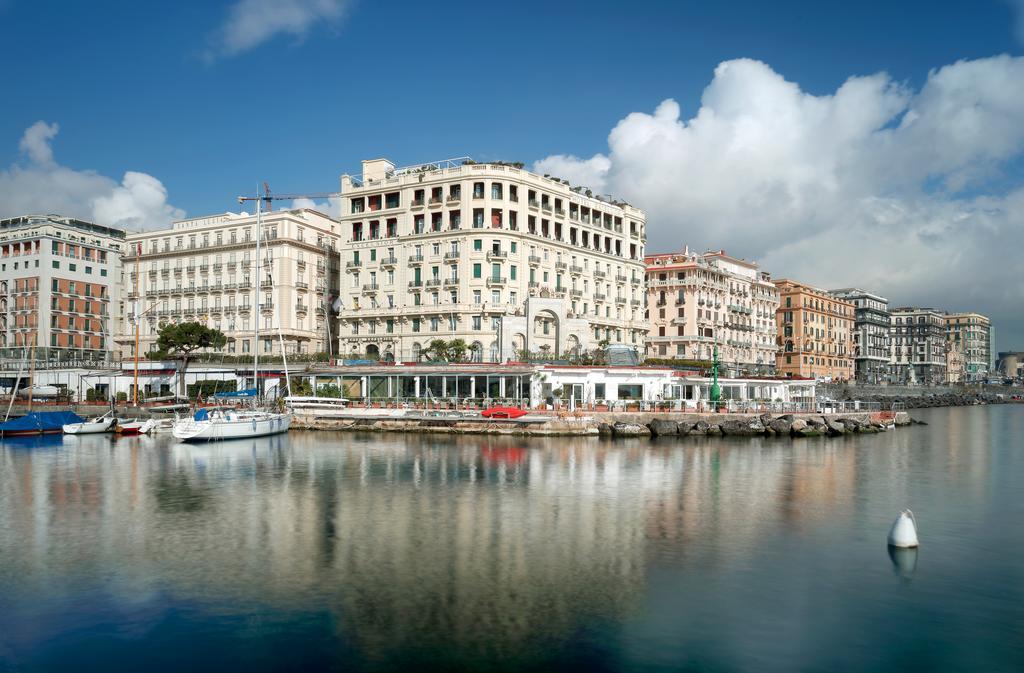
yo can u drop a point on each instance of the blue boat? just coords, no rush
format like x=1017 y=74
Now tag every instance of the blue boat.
x=39 y=423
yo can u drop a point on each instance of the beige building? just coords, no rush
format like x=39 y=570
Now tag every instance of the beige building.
x=814 y=333
x=918 y=346
x=59 y=286
x=204 y=269
x=698 y=301
x=507 y=260
x=971 y=334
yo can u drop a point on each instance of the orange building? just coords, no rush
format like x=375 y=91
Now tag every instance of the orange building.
x=814 y=333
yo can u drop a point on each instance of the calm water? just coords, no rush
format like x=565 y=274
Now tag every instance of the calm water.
x=385 y=552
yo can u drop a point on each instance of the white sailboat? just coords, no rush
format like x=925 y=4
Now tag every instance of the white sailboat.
x=211 y=425
x=99 y=424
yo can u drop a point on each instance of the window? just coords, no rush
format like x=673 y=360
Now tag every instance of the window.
x=477 y=271
x=476 y=296
x=496 y=296
x=415 y=324
x=56 y=264
x=478 y=244
x=512 y=272
x=476 y=322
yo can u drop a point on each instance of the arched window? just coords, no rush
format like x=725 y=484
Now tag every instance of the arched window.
x=494 y=351
x=476 y=352
x=416 y=348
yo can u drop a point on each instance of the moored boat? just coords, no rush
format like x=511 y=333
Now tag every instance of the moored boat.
x=39 y=423
x=134 y=426
x=96 y=425
x=206 y=426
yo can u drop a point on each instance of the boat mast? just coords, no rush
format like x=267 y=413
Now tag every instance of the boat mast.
x=32 y=372
x=135 y=315
x=256 y=307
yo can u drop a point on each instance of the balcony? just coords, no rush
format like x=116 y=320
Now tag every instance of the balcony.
x=415 y=259
x=301 y=265
x=561 y=266
x=386 y=262
x=451 y=282
x=561 y=291
x=433 y=282
x=559 y=212
x=534 y=204
x=575 y=270
x=415 y=284
x=546 y=207
x=497 y=256
x=620 y=278
x=454 y=199
x=451 y=256
x=320 y=268
x=354 y=264
x=534 y=260
x=620 y=300
x=177 y=271
x=301 y=308
x=217 y=266
x=533 y=285
x=268 y=306
x=204 y=268
x=599 y=274
x=635 y=302
x=496 y=281
x=435 y=201
x=576 y=294
x=416 y=204
x=165 y=272
x=231 y=266
x=600 y=296
x=302 y=285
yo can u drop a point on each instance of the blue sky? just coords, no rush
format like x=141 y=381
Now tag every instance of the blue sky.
x=130 y=87
x=877 y=144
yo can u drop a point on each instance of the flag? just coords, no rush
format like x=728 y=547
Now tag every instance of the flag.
x=338 y=305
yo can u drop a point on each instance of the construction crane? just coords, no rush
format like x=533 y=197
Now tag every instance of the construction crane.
x=268 y=199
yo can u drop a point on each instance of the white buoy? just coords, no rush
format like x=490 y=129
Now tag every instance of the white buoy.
x=904 y=531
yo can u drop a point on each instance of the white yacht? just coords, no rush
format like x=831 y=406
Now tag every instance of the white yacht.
x=205 y=426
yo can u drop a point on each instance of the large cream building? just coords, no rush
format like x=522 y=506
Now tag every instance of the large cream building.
x=204 y=269
x=698 y=301
x=971 y=335
x=507 y=260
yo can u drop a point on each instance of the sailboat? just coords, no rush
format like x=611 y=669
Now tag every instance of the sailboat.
x=206 y=425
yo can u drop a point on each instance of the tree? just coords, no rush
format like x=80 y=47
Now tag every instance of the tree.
x=437 y=349
x=457 y=350
x=183 y=339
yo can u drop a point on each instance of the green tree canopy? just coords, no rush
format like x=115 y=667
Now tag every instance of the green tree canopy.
x=187 y=337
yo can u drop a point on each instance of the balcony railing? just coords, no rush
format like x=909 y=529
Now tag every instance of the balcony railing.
x=353 y=264
x=495 y=255
x=415 y=259
x=561 y=266
x=493 y=281
x=576 y=270
x=534 y=260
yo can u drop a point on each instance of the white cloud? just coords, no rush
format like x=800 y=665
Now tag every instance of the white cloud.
x=898 y=190
x=330 y=207
x=250 y=23
x=590 y=172
x=41 y=185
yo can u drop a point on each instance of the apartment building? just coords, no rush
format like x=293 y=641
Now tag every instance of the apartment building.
x=815 y=333
x=917 y=346
x=971 y=334
x=58 y=285
x=871 y=324
x=698 y=301
x=205 y=269
x=502 y=258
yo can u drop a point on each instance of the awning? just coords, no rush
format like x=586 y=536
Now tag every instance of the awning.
x=248 y=392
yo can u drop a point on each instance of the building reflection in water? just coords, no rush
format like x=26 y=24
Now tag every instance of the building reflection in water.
x=492 y=542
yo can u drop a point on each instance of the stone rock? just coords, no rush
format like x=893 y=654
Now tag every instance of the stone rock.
x=816 y=422
x=810 y=431
x=787 y=417
x=743 y=427
x=781 y=426
x=661 y=427
x=766 y=419
x=797 y=425
x=902 y=418
x=867 y=428
x=630 y=430
x=605 y=430
x=685 y=427
x=714 y=430
x=699 y=428
x=835 y=427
